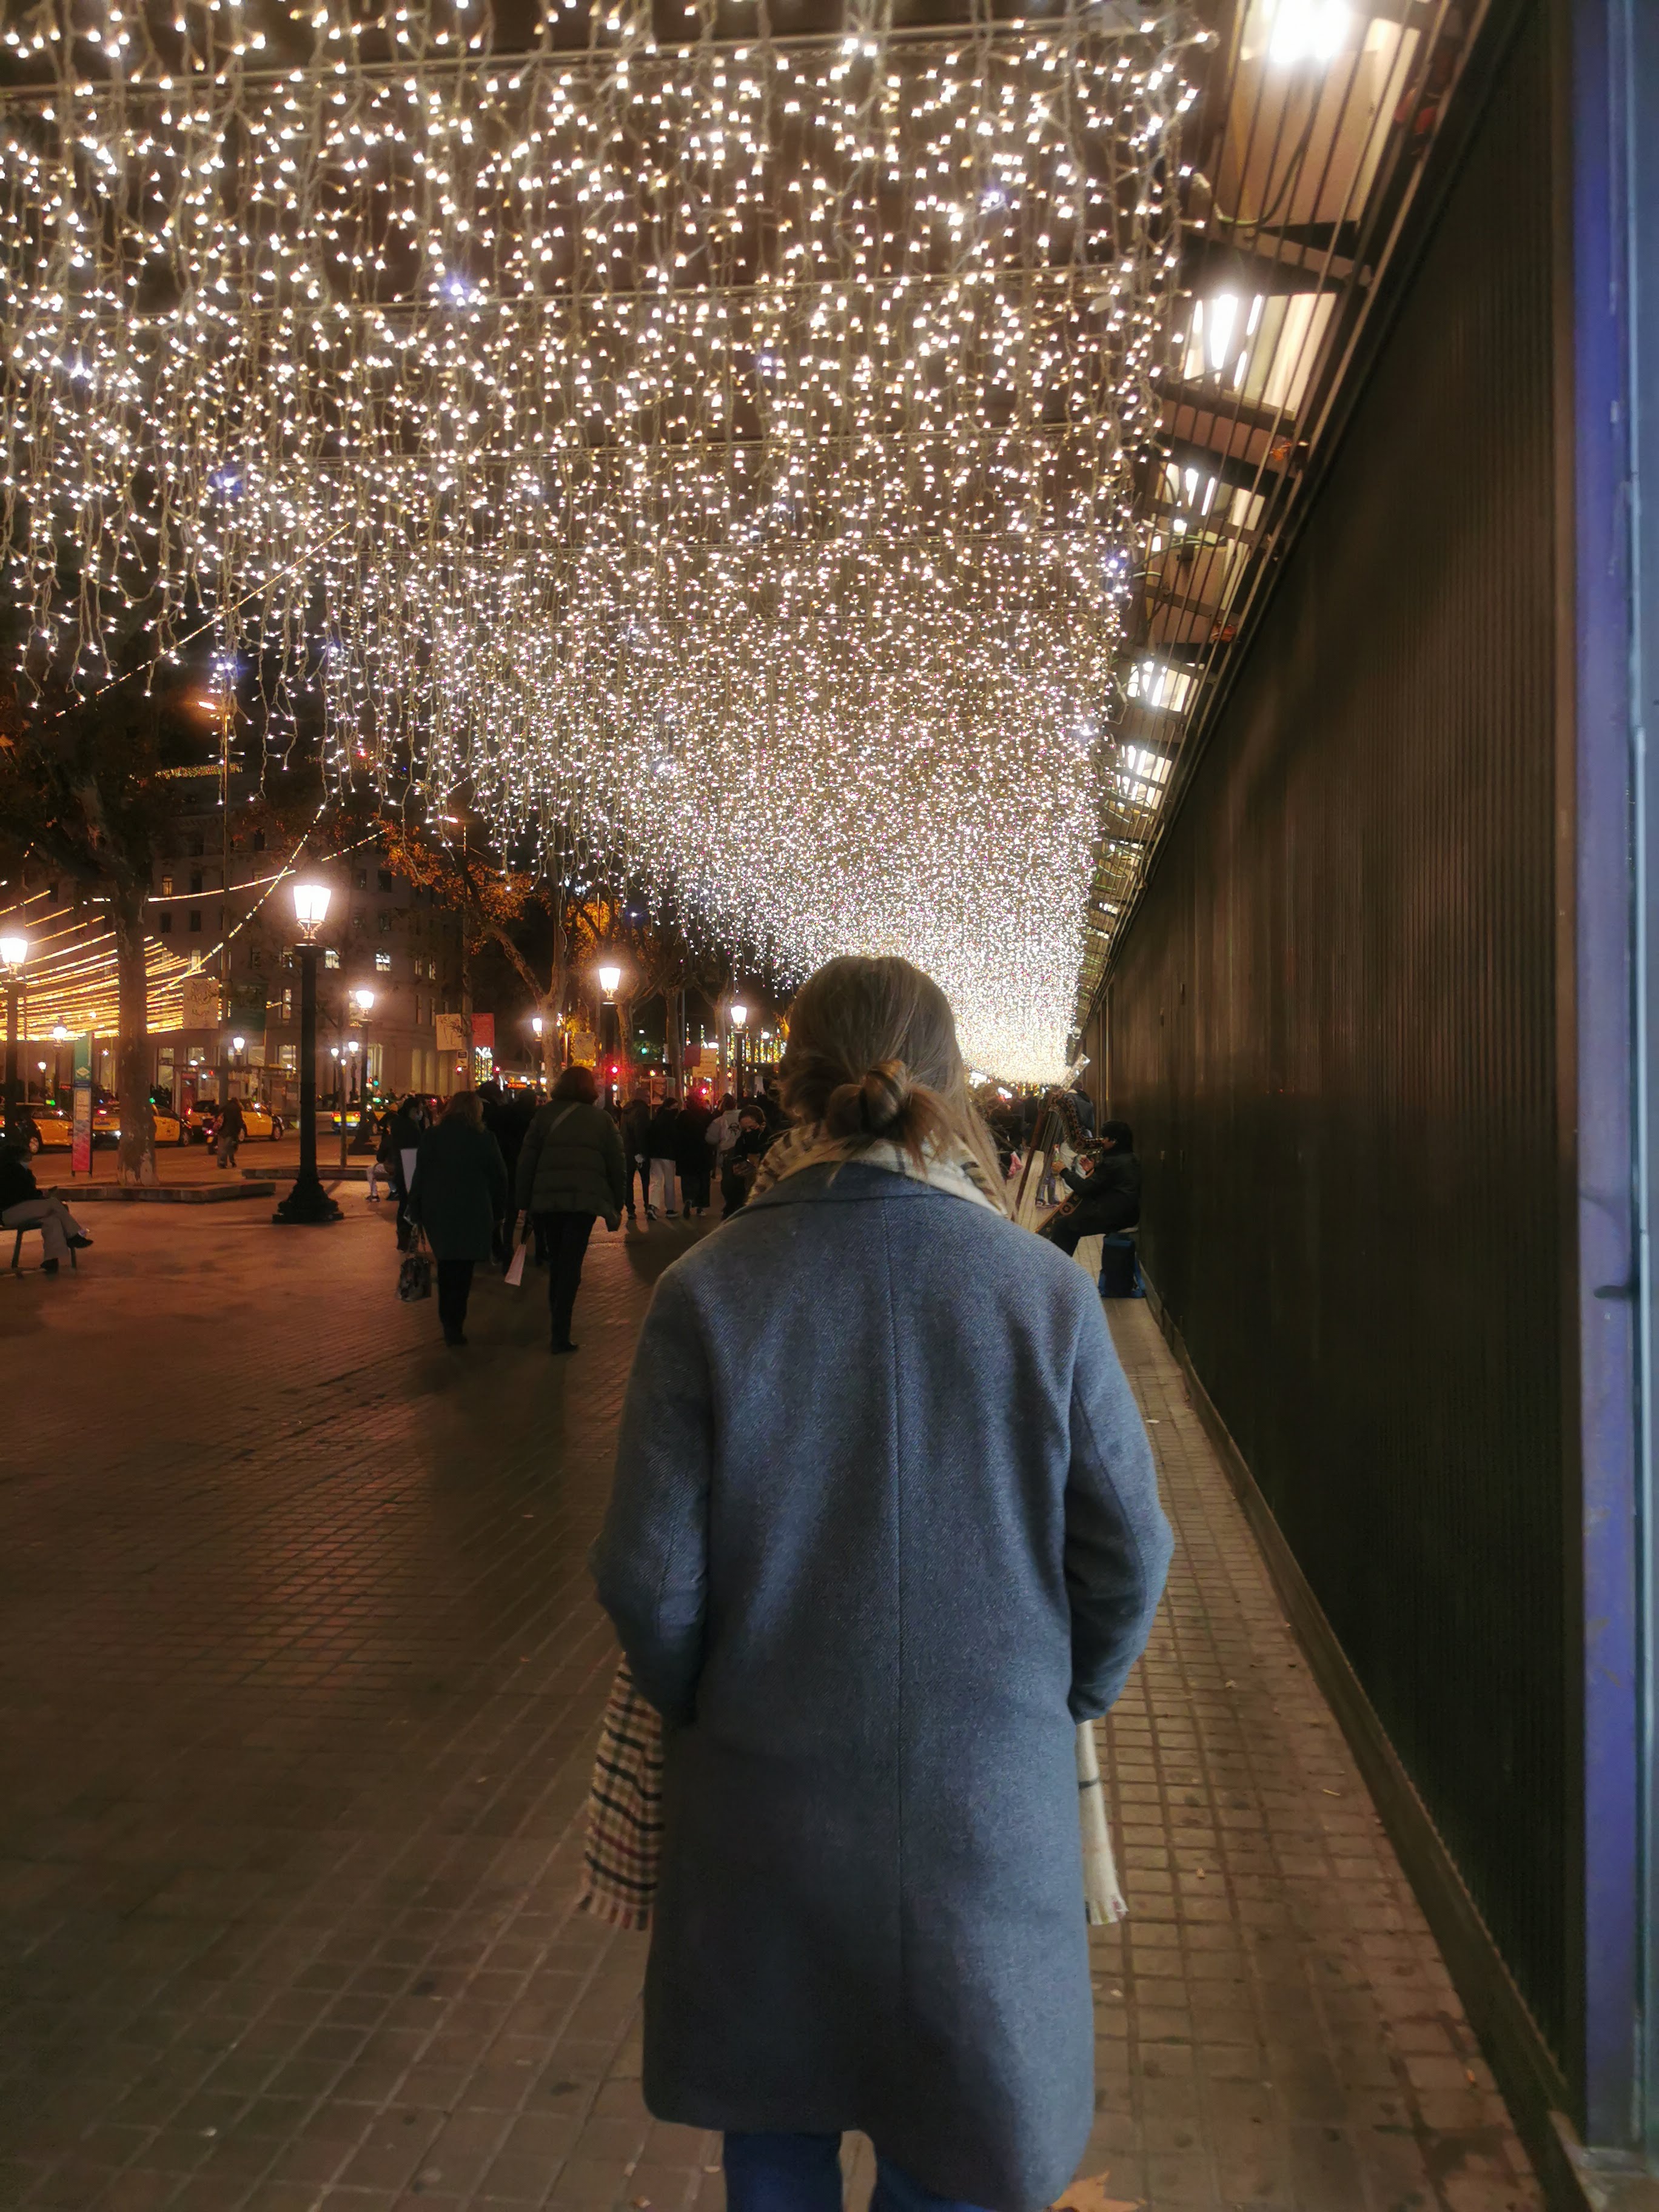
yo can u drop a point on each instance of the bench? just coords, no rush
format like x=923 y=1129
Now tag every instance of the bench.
x=33 y=1229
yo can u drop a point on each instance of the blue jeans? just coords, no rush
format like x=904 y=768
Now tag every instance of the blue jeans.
x=802 y=2174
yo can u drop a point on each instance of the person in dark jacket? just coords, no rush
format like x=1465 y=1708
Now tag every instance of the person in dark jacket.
x=233 y=1128
x=691 y=1155
x=884 y=1528
x=1106 y=1197
x=24 y=1204
x=457 y=1195
x=636 y=1148
x=405 y=1130
x=745 y=1155
x=662 y=1143
x=571 y=1172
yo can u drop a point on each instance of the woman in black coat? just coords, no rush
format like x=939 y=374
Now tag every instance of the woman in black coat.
x=691 y=1155
x=459 y=1193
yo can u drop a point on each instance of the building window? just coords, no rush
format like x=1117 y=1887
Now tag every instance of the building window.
x=259 y=841
x=288 y=1006
x=386 y=879
x=383 y=962
x=196 y=847
x=287 y=1058
x=164 y=919
x=256 y=960
x=358 y=922
x=362 y=879
x=196 y=918
x=386 y=925
x=195 y=881
x=166 y=887
x=331 y=958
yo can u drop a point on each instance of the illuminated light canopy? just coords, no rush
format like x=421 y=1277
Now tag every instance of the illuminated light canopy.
x=719 y=455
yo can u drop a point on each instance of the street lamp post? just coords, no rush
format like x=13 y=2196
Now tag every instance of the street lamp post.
x=362 y=999
x=610 y=983
x=13 y=951
x=739 y=1020
x=308 y=1201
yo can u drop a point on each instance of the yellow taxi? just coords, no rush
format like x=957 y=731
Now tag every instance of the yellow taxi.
x=106 y=1126
x=45 y=1129
x=258 y=1120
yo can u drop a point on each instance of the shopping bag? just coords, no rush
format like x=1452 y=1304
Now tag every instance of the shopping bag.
x=516 y=1265
x=414 y=1275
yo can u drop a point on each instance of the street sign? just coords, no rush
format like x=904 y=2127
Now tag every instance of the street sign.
x=80 y=1125
x=199 y=1002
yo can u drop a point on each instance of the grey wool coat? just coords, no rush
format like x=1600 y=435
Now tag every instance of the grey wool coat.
x=885 y=1524
x=571 y=1162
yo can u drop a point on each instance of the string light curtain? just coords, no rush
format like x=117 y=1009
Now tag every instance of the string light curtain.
x=721 y=451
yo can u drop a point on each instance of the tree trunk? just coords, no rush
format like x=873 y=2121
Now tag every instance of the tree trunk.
x=136 y=1161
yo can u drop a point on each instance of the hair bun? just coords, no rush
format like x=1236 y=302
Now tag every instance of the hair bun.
x=872 y=1107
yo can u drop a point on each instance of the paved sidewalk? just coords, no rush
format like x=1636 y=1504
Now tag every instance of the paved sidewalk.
x=298 y=1680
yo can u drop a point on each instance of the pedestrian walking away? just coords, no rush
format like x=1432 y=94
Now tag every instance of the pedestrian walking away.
x=663 y=1145
x=636 y=1146
x=571 y=1173
x=406 y=1129
x=720 y=1136
x=691 y=1158
x=233 y=1128
x=24 y=1204
x=457 y=1195
x=870 y=1907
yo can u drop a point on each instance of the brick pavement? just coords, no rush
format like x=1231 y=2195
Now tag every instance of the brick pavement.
x=299 y=1678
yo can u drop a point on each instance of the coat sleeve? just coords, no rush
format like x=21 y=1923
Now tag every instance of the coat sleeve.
x=650 y=1564
x=529 y=1152
x=496 y=1164
x=416 y=1197
x=1117 y=1541
x=615 y=1165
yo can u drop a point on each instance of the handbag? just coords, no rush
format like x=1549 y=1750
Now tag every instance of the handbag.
x=414 y=1275
x=516 y=1265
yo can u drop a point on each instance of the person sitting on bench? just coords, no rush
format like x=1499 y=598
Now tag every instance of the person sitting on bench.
x=23 y=1206
x=1107 y=1192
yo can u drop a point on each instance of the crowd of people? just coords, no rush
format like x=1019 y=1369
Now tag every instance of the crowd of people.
x=473 y=1176
x=476 y=1174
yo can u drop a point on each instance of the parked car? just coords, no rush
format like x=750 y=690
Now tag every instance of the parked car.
x=106 y=1126
x=45 y=1129
x=258 y=1120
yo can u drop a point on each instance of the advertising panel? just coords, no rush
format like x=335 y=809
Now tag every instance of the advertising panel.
x=81 y=1127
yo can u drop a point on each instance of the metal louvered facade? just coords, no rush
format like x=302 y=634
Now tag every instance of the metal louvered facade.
x=1334 y=1020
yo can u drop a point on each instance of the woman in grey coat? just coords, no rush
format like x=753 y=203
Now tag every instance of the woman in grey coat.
x=884 y=1528
x=571 y=1171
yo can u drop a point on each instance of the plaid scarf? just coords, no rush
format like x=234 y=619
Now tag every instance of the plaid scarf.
x=955 y=1172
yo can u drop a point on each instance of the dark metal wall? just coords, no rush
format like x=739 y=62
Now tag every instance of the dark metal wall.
x=1333 y=1024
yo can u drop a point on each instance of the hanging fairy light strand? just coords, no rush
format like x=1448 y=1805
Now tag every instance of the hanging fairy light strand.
x=721 y=454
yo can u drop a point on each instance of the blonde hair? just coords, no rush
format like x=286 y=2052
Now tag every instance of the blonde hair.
x=873 y=1056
